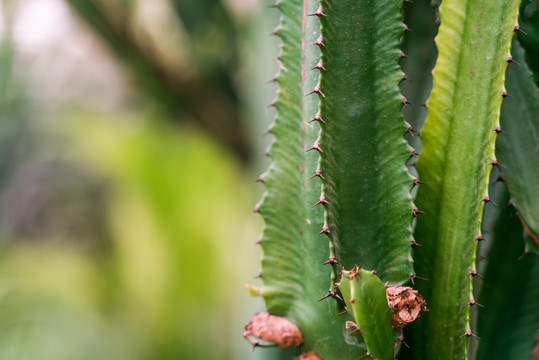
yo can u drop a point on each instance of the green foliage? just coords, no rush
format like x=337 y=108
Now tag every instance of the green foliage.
x=359 y=156
x=515 y=149
x=508 y=294
x=458 y=149
x=366 y=298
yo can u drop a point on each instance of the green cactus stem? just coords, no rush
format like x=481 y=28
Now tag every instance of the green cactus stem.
x=457 y=156
x=365 y=295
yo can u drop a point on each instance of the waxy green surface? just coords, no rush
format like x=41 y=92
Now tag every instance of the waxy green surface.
x=364 y=152
x=365 y=296
x=509 y=316
x=517 y=146
x=458 y=147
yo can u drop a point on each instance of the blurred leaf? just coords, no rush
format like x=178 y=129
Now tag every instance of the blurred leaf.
x=529 y=37
x=509 y=320
x=179 y=231
x=517 y=146
x=187 y=98
x=50 y=308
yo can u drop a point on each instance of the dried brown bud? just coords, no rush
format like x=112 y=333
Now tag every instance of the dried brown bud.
x=265 y=329
x=309 y=355
x=406 y=305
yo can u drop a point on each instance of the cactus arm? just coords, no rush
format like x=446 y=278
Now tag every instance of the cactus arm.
x=517 y=147
x=323 y=329
x=364 y=153
x=293 y=250
x=510 y=289
x=458 y=146
x=366 y=299
x=281 y=204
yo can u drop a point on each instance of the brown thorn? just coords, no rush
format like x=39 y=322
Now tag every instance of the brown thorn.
x=317 y=91
x=406 y=28
x=505 y=94
x=469 y=333
x=325 y=230
x=496 y=163
x=316 y=147
x=518 y=29
x=331 y=261
x=332 y=294
x=368 y=354
x=511 y=60
x=319 y=42
x=318 y=118
x=356 y=330
x=343 y=312
x=487 y=199
x=475 y=273
x=259 y=179
x=413 y=243
x=416 y=212
x=405 y=101
x=414 y=276
x=318 y=13
x=319 y=174
x=480 y=238
x=473 y=303
x=498 y=130
x=417 y=182
x=414 y=154
x=321 y=201
x=319 y=66
x=403 y=55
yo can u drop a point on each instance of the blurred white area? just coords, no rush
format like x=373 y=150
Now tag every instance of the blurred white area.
x=40 y=23
x=2 y=22
x=59 y=59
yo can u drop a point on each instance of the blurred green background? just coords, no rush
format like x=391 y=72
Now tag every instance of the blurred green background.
x=129 y=140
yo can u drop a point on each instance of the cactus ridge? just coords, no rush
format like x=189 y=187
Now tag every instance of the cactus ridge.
x=363 y=132
x=457 y=157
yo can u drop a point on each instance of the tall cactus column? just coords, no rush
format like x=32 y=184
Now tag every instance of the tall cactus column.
x=364 y=155
x=457 y=157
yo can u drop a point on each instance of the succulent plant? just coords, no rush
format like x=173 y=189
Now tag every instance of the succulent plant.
x=348 y=227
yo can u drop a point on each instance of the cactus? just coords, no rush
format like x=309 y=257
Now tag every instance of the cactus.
x=339 y=212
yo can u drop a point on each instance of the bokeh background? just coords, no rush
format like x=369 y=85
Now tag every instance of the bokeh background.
x=130 y=136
